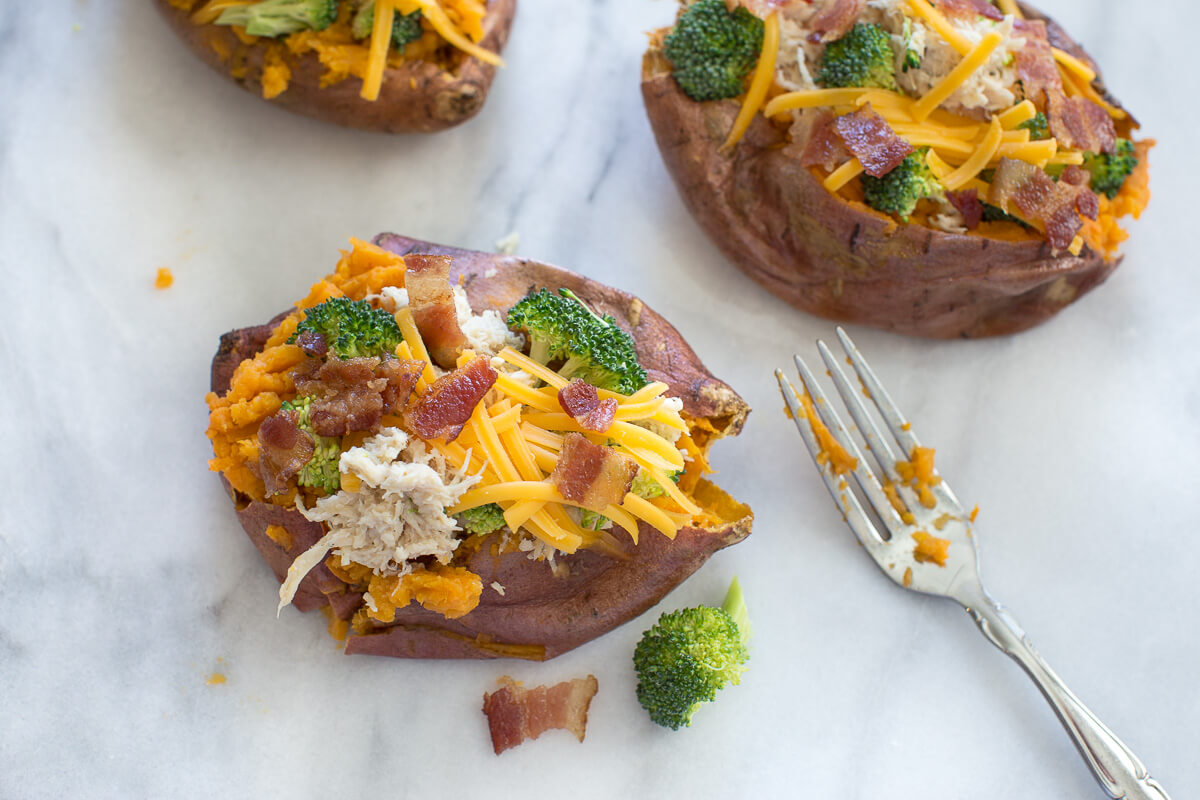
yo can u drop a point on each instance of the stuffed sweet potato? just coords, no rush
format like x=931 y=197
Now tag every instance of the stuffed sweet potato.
x=944 y=170
x=467 y=455
x=382 y=65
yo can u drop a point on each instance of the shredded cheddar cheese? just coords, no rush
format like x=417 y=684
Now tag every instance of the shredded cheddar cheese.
x=941 y=25
x=844 y=174
x=972 y=61
x=764 y=75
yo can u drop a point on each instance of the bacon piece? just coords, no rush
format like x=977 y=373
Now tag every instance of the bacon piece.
x=427 y=279
x=823 y=147
x=581 y=400
x=968 y=204
x=515 y=714
x=835 y=19
x=1078 y=123
x=354 y=394
x=313 y=344
x=1056 y=206
x=873 y=142
x=969 y=9
x=592 y=475
x=283 y=450
x=444 y=409
x=1036 y=67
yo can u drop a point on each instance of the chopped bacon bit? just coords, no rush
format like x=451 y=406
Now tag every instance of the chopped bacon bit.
x=835 y=19
x=401 y=375
x=968 y=204
x=873 y=142
x=581 y=400
x=1037 y=198
x=823 y=147
x=427 y=279
x=969 y=9
x=347 y=395
x=313 y=344
x=283 y=450
x=592 y=475
x=444 y=409
x=1078 y=123
x=515 y=714
x=1036 y=67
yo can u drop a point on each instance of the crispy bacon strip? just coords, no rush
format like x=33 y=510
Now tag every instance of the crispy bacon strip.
x=444 y=409
x=1078 y=123
x=822 y=146
x=835 y=19
x=592 y=475
x=283 y=450
x=1037 y=198
x=313 y=344
x=969 y=9
x=515 y=714
x=354 y=394
x=581 y=400
x=1035 y=62
x=427 y=279
x=968 y=204
x=872 y=141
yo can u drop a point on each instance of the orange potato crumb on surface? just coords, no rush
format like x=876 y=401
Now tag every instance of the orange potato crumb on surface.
x=930 y=549
x=215 y=679
x=163 y=279
x=917 y=473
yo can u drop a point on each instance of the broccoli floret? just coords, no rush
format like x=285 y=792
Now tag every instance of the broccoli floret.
x=1109 y=170
x=689 y=655
x=562 y=329
x=406 y=28
x=321 y=471
x=646 y=487
x=863 y=57
x=590 y=520
x=712 y=49
x=278 y=17
x=899 y=191
x=1037 y=125
x=912 y=56
x=482 y=519
x=352 y=328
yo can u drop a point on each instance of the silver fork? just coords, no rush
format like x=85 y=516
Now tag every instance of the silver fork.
x=1115 y=767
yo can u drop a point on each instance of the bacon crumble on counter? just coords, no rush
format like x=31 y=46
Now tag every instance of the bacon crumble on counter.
x=592 y=475
x=443 y=411
x=432 y=302
x=872 y=141
x=582 y=402
x=515 y=714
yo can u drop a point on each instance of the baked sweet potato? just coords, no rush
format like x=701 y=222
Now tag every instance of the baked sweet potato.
x=763 y=203
x=539 y=615
x=437 y=88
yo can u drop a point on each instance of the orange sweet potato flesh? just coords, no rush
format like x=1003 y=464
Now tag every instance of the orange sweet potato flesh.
x=539 y=616
x=841 y=259
x=420 y=96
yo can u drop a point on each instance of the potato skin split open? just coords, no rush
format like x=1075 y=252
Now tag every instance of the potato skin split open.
x=538 y=616
x=843 y=260
x=418 y=97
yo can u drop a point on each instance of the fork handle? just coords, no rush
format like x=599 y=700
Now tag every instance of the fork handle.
x=1115 y=767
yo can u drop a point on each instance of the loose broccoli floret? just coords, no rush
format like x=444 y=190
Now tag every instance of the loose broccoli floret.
x=899 y=191
x=689 y=655
x=1037 y=125
x=712 y=49
x=321 y=471
x=912 y=56
x=482 y=519
x=278 y=17
x=562 y=329
x=1109 y=170
x=352 y=328
x=863 y=57
x=406 y=28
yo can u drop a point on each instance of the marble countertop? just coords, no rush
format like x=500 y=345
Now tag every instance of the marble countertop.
x=126 y=582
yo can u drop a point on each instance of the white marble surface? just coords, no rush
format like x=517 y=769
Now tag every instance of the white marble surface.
x=125 y=579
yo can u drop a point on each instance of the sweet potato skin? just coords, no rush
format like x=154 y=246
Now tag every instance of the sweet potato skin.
x=419 y=97
x=538 y=616
x=841 y=259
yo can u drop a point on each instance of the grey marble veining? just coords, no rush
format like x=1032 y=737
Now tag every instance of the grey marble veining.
x=126 y=582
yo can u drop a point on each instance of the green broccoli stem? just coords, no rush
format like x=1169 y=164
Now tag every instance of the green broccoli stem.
x=735 y=606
